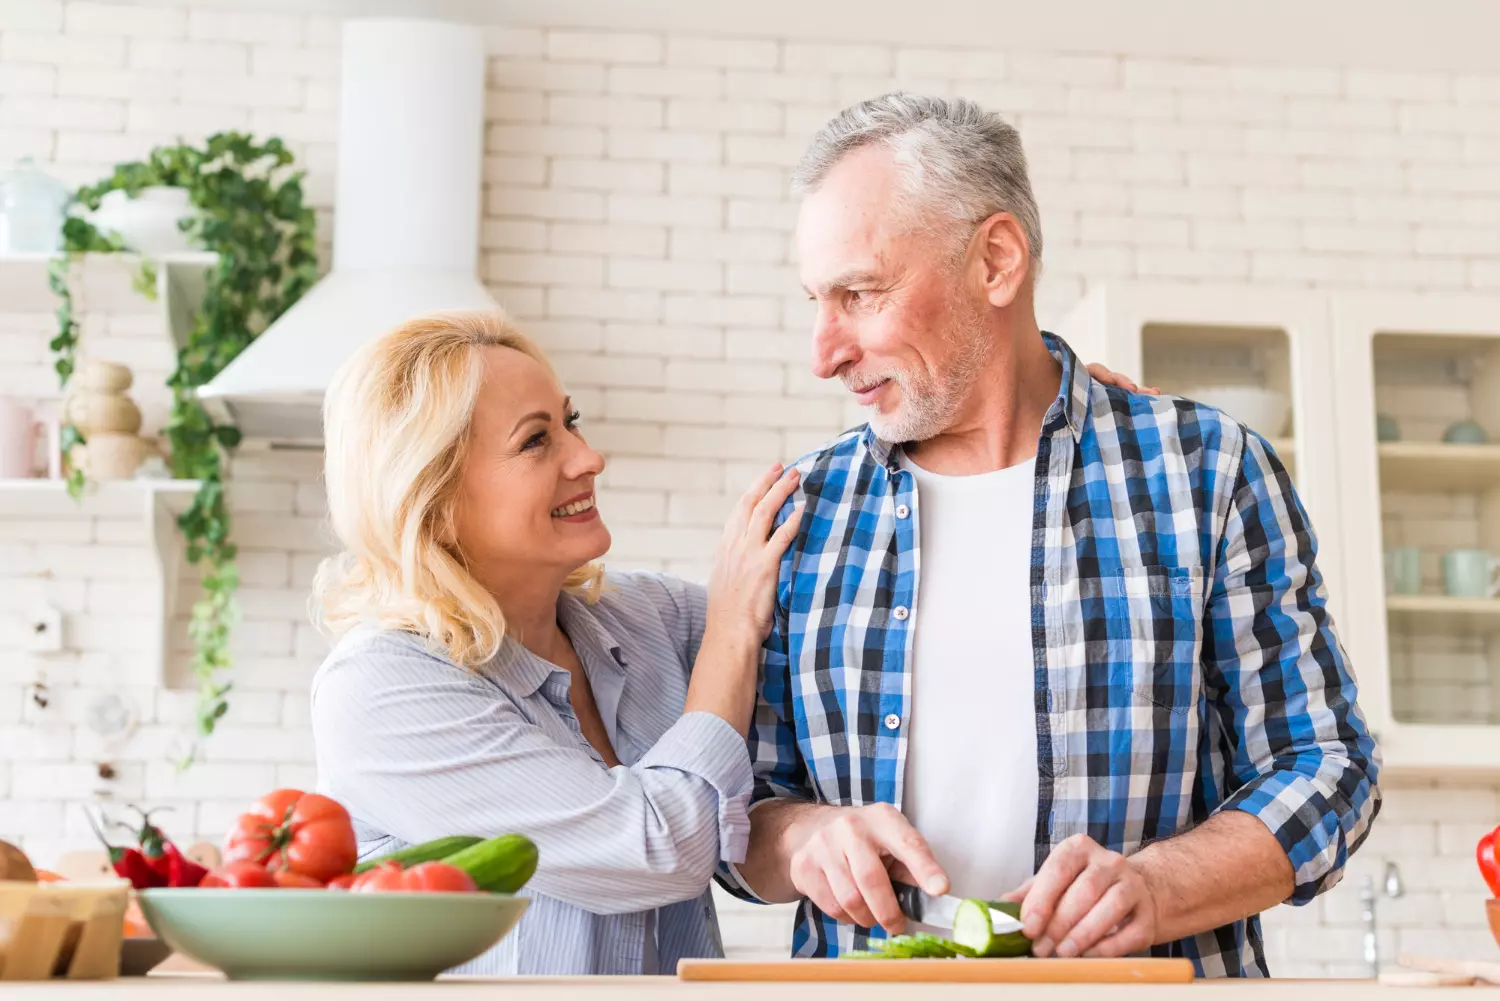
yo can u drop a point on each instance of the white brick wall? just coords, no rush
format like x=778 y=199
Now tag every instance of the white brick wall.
x=636 y=219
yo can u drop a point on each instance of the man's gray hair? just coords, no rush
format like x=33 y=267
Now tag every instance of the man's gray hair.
x=955 y=157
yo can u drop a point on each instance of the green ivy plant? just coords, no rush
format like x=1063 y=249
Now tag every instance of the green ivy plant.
x=250 y=212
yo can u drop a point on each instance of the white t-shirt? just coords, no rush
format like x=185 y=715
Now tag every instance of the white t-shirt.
x=971 y=771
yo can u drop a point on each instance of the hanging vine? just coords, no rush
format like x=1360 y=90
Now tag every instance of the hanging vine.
x=249 y=211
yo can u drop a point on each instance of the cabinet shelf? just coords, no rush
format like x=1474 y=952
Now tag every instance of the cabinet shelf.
x=1438 y=466
x=1441 y=613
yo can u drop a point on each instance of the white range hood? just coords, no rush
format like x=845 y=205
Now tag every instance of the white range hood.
x=406 y=221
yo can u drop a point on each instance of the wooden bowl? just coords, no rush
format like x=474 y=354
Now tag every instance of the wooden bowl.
x=1492 y=911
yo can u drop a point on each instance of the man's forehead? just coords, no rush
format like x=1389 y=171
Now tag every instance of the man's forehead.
x=846 y=222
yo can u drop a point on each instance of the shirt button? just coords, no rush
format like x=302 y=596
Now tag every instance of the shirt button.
x=899 y=613
x=893 y=722
x=902 y=511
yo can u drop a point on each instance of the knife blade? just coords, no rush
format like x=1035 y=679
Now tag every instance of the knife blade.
x=936 y=911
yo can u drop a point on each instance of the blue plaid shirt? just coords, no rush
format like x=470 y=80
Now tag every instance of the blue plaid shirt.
x=1184 y=659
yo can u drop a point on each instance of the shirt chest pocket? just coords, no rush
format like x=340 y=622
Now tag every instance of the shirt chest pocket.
x=1142 y=629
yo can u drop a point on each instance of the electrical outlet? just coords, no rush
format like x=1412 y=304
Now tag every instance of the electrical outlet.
x=44 y=630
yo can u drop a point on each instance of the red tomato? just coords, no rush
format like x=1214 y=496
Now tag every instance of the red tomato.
x=343 y=882
x=438 y=877
x=292 y=831
x=295 y=881
x=242 y=874
x=385 y=876
x=428 y=877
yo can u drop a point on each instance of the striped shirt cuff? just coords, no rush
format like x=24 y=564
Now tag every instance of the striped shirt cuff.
x=704 y=745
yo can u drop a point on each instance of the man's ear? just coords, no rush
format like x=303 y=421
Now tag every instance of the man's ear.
x=1006 y=256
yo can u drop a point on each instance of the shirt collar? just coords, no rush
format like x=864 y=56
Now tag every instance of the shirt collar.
x=522 y=672
x=1070 y=409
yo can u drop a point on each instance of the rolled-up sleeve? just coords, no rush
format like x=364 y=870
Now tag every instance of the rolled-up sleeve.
x=1302 y=757
x=421 y=749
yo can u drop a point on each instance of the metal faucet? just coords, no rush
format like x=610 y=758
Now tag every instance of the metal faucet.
x=1393 y=889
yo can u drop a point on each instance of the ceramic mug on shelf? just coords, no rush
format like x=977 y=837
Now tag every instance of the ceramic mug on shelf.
x=1387 y=428
x=1403 y=570
x=19 y=432
x=1465 y=433
x=1471 y=573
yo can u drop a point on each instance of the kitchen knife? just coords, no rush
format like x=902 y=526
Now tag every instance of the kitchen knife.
x=938 y=911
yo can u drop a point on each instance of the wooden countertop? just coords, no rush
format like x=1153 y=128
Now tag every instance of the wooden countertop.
x=183 y=988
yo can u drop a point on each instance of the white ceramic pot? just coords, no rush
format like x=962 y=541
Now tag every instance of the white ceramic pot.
x=148 y=223
x=1261 y=410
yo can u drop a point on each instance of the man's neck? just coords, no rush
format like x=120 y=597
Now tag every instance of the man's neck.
x=1000 y=424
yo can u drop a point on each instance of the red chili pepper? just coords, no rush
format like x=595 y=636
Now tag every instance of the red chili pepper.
x=131 y=864
x=1489 y=863
x=153 y=846
x=181 y=870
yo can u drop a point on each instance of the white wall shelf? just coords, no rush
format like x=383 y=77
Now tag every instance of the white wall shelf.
x=105 y=285
x=156 y=502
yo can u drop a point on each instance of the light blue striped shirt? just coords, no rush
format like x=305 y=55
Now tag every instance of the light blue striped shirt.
x=417 y=748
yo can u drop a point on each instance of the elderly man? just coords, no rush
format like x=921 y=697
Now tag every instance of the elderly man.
x=1038 y=637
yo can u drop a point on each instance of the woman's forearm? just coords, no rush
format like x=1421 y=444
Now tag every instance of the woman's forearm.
x=723 y=681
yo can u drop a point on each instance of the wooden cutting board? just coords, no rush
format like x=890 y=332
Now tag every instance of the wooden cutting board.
x=970 y=971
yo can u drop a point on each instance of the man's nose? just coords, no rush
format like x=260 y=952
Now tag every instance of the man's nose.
x=833 y=345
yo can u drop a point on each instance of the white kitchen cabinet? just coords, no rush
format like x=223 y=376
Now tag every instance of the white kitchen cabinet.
x=1428 y=664
x=1182 y=337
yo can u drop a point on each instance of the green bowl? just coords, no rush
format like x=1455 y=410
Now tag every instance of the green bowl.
x=330 y=934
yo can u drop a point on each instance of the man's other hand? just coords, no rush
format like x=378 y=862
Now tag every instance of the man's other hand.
x=1087 y=901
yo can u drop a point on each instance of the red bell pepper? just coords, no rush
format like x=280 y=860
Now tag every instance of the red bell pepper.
x=1489 y=863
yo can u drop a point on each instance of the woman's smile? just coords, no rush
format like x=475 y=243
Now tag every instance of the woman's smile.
x=578 y=509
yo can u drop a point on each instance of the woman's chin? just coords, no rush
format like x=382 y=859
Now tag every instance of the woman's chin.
x=583 y=542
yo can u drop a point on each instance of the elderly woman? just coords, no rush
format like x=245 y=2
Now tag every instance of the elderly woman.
x=491 y=677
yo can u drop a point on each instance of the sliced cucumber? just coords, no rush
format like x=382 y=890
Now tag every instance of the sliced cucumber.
x=973 y=928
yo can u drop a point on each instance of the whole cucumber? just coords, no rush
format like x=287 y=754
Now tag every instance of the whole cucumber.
x=499 y=865
x=427 y=851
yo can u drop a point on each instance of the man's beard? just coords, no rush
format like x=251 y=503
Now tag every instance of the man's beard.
x=930 y=402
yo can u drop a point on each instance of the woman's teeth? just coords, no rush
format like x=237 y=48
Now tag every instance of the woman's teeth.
x=577 y=507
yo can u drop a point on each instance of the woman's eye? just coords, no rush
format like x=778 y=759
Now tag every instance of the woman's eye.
x=535 y=441
x=571 y=421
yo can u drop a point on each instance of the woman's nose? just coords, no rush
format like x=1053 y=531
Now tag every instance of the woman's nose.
x=584 y=461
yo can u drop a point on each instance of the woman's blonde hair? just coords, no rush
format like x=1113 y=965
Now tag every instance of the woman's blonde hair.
x=396 y=432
